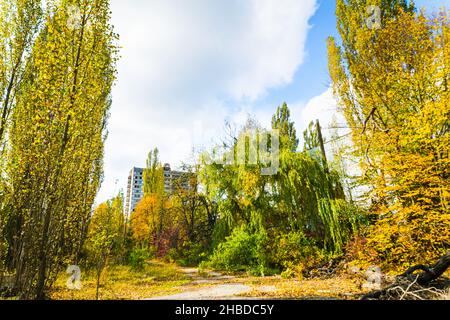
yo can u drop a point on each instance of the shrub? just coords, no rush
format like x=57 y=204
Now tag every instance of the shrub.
x=189 y=255
x=242 y=251
x=138 y=257
x=294 y=251
x=288 y=274
x=406 y=238
x=192 y=254
x=171 y=256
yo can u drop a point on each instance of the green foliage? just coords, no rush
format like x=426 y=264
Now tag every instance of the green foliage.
x=305 y=197
x=341 y=221
x=190 y=254
x=138 y=259
x=106 y=236
x=311 y=138
x=62 y=74
x=221 y=232
x=282 y=121
x=153 y=174
x=243 y=250
x=20 y=22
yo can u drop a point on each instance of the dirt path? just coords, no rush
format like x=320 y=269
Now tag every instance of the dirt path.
x=211 y=286
x=208 y=285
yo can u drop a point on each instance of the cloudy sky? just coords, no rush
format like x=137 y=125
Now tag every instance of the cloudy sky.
x=188 y=66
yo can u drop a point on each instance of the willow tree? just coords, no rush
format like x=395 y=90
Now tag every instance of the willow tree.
x=309 y=195
x=392 y=85
x=302 y=196
x=57 y=136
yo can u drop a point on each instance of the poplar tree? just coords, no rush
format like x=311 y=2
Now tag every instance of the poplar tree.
x=57 y=136
x=281 y=120
x=19 y=24
x=153 y=175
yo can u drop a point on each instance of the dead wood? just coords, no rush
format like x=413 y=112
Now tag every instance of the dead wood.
x=417 y=286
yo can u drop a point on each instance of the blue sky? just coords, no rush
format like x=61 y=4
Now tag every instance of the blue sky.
x=311 y=78
x=189 y=65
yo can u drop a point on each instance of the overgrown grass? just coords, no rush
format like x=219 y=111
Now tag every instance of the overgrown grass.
x=122 y=283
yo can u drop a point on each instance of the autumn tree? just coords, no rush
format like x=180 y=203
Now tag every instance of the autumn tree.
x=302 y=196
x=145 y=221
x=58 y=126
x=392 y=85
x=151 y=223
x=19 y=25
x=153 y=174
x=281 y=120
x=119 y=250
x=105 y=236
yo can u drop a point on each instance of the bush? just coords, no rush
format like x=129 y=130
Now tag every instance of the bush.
x=288 y=274
x=293 y=252
x=138 y=257
x=192 y=254
x=189 y=255
x=171 y=256
x=406 y=238
x=242 y=251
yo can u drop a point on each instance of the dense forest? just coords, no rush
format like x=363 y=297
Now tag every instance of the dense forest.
x=379 y=196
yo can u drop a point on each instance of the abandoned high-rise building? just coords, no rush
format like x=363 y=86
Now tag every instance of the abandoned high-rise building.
x=135 y=187
x=135 y=190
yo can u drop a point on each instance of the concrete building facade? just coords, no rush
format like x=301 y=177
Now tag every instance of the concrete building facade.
x=135 y=187
x=135 y=190
x=171 y=177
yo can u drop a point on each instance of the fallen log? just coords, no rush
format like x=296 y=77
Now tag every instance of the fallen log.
x=409 y=278
x=429 y=273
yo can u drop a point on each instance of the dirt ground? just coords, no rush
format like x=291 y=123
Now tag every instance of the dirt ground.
x=209 y=285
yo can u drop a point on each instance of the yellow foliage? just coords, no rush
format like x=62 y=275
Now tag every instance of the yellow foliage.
x=145 y=218
x=392 y=86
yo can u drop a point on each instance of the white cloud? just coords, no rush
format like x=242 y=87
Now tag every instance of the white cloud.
x=198 y=61
x=322 y=108
x=273 y=45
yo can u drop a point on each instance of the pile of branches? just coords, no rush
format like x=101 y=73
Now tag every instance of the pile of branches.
x=426 y=285
x=404 y=289
x=325 y=270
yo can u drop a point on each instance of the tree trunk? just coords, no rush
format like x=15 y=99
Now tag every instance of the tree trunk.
x=99 y=273
x=429 y=273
